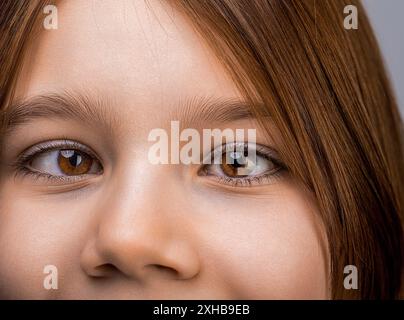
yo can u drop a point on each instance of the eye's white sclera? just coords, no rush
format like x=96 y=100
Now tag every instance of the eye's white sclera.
x=47 y=162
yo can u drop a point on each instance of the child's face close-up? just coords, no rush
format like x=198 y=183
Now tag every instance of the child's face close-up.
x=78 y=190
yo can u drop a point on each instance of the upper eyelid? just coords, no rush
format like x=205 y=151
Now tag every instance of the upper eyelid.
x=266 y=151
x=50 y=145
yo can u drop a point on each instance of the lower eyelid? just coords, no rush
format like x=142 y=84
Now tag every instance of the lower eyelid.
x=55 y=145
x=46 y=177
x=261 y=180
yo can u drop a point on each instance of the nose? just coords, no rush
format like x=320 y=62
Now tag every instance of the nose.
x=140 y=238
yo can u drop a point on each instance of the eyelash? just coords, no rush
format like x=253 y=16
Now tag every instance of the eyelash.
x=21 y=165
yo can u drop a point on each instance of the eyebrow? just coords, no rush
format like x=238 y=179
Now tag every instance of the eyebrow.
x=82 y=107
x=200 y=109
x=66 y=105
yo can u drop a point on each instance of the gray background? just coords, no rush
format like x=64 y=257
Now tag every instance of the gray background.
x=387 y=18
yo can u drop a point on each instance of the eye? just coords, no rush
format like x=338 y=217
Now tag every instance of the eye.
x=67 y=162
x=60 y=159
x=242 y=164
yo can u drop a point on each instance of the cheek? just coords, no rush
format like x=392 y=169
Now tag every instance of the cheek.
x=253 y=247
x=269 y=248
x=36 y=232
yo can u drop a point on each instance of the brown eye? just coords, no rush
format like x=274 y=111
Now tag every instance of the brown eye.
x=73 y=162
x=240 y=165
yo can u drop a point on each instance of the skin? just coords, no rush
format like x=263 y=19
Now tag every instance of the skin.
x=138 y=230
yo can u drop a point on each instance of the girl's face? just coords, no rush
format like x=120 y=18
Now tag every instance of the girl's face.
x=78 y=190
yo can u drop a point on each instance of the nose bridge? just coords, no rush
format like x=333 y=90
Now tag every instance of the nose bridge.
x=137 y=231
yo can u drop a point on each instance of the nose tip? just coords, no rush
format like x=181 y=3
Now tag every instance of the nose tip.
x=140 y=256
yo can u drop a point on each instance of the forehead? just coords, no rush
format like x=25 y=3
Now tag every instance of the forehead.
x=141 y=53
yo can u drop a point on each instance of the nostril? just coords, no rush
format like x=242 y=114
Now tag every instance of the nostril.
x=164 y=269
x=105 y=270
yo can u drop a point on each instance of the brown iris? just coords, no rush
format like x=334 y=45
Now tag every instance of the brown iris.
x=238 y=166
x=73 y=162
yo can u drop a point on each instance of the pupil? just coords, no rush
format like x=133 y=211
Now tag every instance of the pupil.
x=237 y=164
x=238 y=159
x=75 y=160
x=74 y=157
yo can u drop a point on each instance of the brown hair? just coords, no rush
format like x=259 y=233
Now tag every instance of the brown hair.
x=326 y=91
